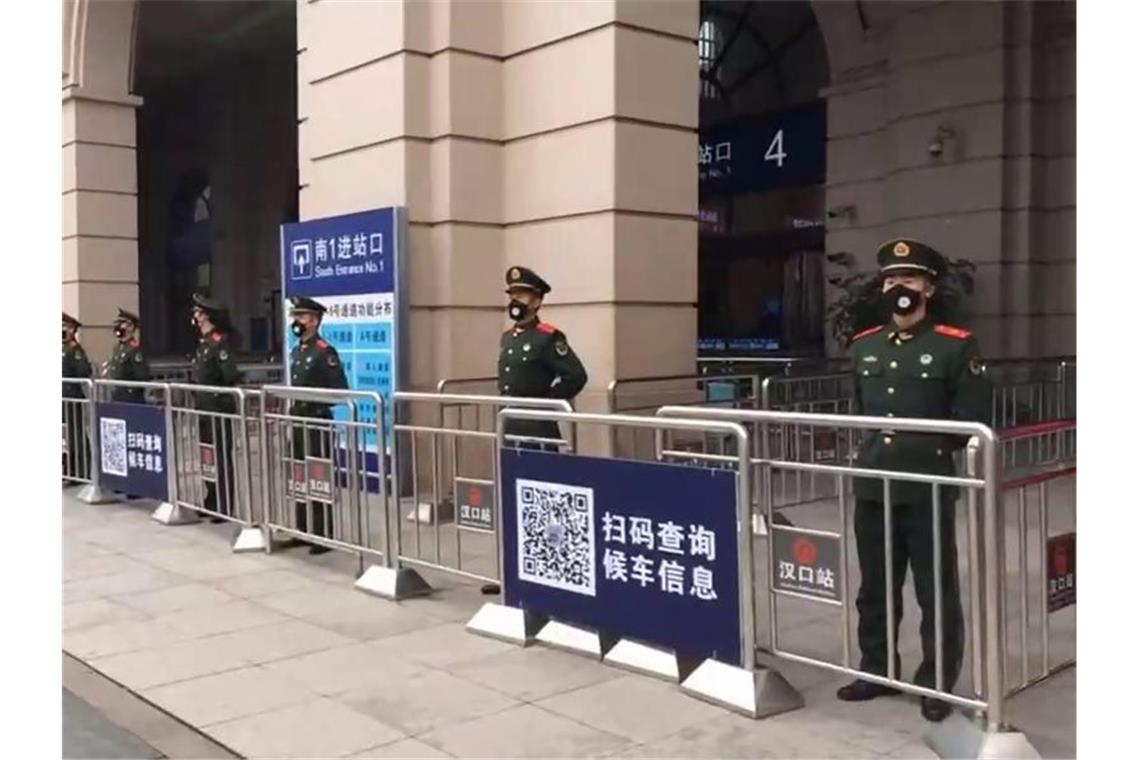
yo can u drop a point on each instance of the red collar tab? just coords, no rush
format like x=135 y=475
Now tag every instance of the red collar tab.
x=953 y=332
x=865 y=333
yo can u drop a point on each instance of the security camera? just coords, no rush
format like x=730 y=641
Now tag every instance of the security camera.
x=938 y=144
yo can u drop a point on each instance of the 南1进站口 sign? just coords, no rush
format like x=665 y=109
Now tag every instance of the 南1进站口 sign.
x=351 y=264
x=639 y=550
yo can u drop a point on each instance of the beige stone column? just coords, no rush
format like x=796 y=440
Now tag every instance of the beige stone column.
x=600 y=185
x=555 y=135
x=1000 y=77
x=100 y=204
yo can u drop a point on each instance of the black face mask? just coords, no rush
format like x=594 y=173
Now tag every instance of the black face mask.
x=516 y=310
x=902 y=300
x=120 y=332
x=298 y=329
x=65 y=335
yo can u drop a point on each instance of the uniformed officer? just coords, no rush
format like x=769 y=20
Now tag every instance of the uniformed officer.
x=535 y=359
x=214 y=365
x=911 y=367
x=314 y=364
x=75 y=364
x=127 y=361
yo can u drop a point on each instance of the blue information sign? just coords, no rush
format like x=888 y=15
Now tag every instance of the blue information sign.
x=788 y=149
x=351 y=265
x=132 y=448
x=639 y=550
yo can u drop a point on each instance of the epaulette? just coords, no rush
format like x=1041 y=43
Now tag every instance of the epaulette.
x=953 y=332
x=134 y=343
x=543 y=327
x=216 y=337
x=321 y=344
x=865 y=333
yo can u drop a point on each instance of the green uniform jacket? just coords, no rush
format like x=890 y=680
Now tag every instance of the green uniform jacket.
x=75 y=364
x=314 y=363
x=128 y=363
x=929 y=371
x=536 y=361
x=215 y=365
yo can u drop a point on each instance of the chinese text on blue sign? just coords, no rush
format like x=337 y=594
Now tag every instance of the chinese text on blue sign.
x=634 y=549
x=350 y=264
x=132 y=449
x=787 y=149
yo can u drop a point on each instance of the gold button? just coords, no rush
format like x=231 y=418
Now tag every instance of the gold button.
x=925 y=375
x=887 y=439
x=894 y=365
x=940 y=452
x=507 y=369
x=890 y=414
x=891 y=391
x=866 y=372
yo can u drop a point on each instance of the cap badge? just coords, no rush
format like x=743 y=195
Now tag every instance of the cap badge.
x=515 y=273
x=902 y=249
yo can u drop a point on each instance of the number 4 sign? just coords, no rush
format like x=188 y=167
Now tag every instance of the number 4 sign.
x=775 y=150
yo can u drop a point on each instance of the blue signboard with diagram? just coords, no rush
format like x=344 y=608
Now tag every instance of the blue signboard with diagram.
x=351 y=264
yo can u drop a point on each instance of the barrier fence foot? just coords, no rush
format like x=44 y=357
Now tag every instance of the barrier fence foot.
x=93 y=494
x=392 y=582
x=644 y=659
x=959 y=737
x=509 y=624
x=172 y=514
x=571 y=638
x=426 y=513
x=758 y=693
x=249 y=539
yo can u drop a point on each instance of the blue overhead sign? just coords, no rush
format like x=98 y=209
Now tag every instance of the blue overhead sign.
x=639 y=550
x=351 y=265
x=787 y=149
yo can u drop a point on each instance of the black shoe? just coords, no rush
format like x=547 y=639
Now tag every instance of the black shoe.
x=935 y=710
x=217 y=520
x=863 y=691
x=490 y=589
x=318 y=549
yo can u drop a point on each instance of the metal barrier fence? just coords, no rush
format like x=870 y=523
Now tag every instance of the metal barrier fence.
x=449 y=489
x=731 y=391
x=1039 y=503
x=211 y=456
x=1036 y=459
x=832 y=523
x=77 y=430
x=322 y=486
x=252 y=373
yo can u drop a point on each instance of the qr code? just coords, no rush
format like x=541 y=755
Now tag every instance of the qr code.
x=113 y=446
x=556 y=535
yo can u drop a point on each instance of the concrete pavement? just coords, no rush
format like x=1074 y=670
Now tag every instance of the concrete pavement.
x=277 y=656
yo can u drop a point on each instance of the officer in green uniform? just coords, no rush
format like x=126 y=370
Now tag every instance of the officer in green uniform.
x=77 y=460
x=314 y=363
x=214 y=365
x=127 y=361
x=911 y=367
x=535 y=360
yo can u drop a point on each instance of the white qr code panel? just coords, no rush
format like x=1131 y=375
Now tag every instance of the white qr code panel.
x=113 y=446
x=556 y=535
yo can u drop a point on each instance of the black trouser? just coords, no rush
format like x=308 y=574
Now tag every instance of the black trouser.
x=912 y=542
x=219 y=431
x=77 y=460
x=311 y=441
